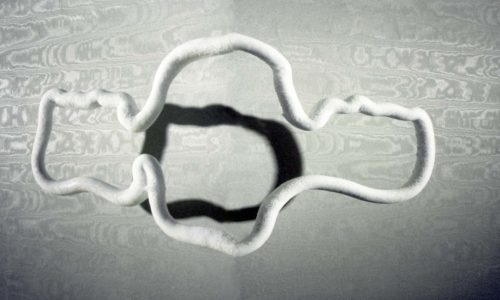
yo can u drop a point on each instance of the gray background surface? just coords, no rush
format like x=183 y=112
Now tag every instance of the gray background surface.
x=443 y=56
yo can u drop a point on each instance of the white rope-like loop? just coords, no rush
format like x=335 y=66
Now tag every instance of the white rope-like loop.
x=148 y=179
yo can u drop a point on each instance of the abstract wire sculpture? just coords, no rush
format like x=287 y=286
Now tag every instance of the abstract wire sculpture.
x=148 y=178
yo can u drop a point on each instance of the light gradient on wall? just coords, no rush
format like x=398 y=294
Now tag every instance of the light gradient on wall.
x=443 y=56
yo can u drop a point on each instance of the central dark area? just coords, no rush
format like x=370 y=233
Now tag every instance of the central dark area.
x=280 y=138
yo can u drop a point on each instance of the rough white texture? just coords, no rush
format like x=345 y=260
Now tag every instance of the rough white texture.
x=148 y=178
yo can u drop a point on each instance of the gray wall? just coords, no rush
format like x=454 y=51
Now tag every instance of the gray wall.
x=443 y=56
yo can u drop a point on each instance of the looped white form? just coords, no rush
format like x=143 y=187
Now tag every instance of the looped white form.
x=148 y=179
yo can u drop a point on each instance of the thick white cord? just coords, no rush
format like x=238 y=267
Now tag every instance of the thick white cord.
x=148 y=180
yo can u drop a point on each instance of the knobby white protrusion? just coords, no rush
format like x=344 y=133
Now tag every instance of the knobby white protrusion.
x=148 y=180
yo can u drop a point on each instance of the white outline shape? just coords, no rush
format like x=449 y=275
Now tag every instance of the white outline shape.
x=148 y=178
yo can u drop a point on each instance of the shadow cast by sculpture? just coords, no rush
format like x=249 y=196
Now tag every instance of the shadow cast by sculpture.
x=285 y=149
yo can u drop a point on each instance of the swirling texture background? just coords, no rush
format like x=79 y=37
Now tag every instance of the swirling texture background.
x=443 y=56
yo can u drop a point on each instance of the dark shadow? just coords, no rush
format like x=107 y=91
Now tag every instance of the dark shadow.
x=285 y=149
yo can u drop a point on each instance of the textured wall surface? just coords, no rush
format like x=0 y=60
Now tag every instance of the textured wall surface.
x=220 y=161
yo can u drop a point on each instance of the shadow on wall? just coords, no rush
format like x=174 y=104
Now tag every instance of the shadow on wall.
x=285 y=149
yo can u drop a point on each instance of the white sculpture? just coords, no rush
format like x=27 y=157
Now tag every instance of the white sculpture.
x=148 y=180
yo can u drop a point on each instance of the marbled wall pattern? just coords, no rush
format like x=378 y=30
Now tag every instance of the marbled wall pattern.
x=443 y=56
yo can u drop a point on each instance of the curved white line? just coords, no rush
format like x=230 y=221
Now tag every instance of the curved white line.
x=148 y=180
